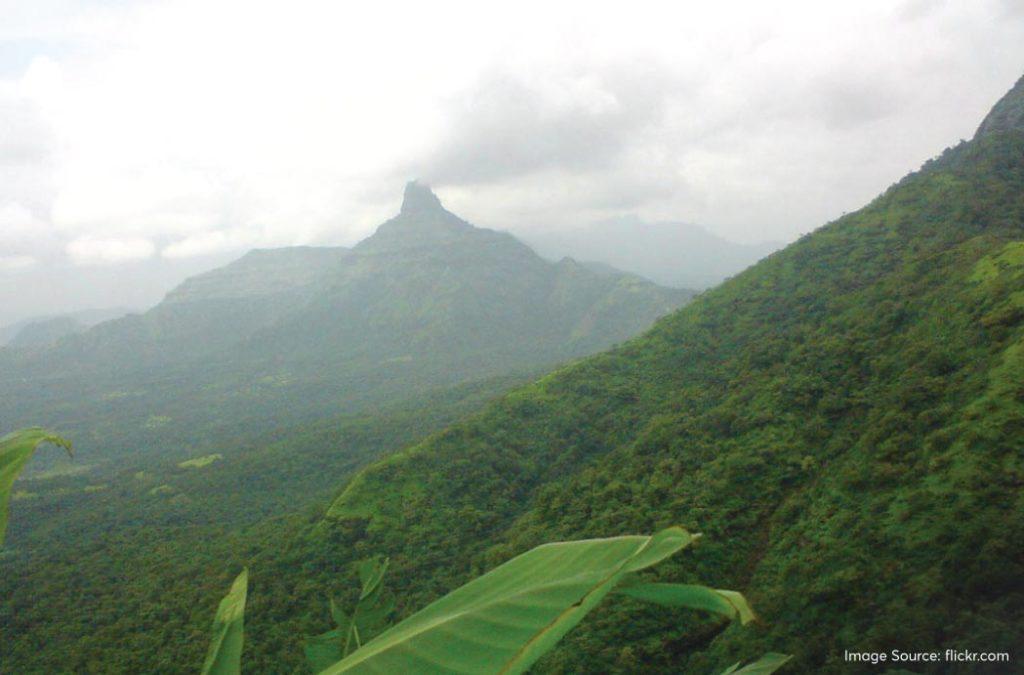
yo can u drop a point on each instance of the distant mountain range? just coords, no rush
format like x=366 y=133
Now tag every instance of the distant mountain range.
x=673 y=254
x=47 y=330
x=428 y=300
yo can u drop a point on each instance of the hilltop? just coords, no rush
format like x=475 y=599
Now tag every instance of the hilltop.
x=295 y=334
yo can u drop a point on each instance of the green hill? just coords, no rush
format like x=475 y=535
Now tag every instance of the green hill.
x=43 y=331
x=844 y=421
x=291 y=335
x=1007 y=115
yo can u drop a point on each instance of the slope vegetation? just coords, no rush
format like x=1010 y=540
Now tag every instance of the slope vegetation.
x=844 y=421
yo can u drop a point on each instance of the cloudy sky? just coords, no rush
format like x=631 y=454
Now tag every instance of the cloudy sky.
x=143 y=140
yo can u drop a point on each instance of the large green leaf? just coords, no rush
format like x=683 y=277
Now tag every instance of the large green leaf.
x=367 y=619
x=15 y=450
x=371 y=572
x=225 y=654
x=766 y=665
x=729 y=604
x=505 y=620
x=372 y=610
x=324 y=650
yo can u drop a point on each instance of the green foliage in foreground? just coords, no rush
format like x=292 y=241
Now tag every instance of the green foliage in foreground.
x=505 y=620
x=225 y=654
x=766 y=665
x=502 y=622
x=368 y=618
x=16 y=449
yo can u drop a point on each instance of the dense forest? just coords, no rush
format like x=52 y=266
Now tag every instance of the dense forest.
x=844 y=421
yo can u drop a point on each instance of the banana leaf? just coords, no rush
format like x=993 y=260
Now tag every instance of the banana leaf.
x=225 y=654
x=15 y=450
x=505 y=620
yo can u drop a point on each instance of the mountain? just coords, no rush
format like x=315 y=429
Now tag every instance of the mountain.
x=60 y=286
x=301 y=333
x=673 y=254
x=218 y=310
x=45 y=331
x=844 y=422
x=1007 y=116
x=428 y=285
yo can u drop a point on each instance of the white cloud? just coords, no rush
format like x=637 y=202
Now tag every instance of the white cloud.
x=17 y=224
x=86 y=251
x=198 y=244
x=206 y=125
x=15 y=263
x=153 y=199
x=219 y=241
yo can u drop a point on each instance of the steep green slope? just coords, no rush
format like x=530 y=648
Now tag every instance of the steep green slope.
x=285 y=336
x=1007 y=115
x=844 y=421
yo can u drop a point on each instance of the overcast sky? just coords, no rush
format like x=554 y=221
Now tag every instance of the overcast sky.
x=135 y=133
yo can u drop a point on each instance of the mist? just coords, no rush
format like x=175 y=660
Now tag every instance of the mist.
x=125 y=157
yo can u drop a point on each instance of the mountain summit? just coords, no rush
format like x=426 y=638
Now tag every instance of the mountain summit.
x=419 y=198
x=1007 y=115
x=421 y=222
x=427 y=301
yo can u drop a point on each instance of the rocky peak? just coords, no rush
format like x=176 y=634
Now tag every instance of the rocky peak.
x=1007 y=115
x=419 y=198
x=422 y=221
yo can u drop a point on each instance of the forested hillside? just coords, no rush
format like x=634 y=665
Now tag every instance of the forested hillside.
x=290 y=335
x=843 y=421
x=200 y=402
